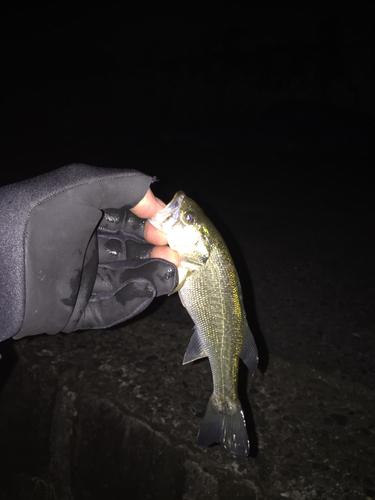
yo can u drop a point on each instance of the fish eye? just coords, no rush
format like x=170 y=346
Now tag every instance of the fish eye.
x=189 y=217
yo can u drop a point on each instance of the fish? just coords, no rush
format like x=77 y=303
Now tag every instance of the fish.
x=209 y=288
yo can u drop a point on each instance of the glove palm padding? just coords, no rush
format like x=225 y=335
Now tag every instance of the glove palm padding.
x=127 y=280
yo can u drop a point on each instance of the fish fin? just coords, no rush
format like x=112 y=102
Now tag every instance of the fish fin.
x=195 y=349
x=227 y=429
x=182 y=278
x=249 y=353
x=178 y=287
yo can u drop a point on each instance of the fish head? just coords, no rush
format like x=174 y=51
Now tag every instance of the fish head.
x=187 y=230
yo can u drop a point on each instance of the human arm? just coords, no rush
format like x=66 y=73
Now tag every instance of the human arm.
x=73 y=255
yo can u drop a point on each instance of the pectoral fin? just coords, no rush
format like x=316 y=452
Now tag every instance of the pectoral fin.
x=195 y=349
x=182 y=275
x=249 y=353
x=178 y=287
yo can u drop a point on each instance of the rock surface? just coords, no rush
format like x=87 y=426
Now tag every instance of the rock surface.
x=114 y=414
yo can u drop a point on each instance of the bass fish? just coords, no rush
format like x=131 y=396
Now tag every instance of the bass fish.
x=210 y=290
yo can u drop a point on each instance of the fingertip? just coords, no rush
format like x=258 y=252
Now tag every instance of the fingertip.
x=149 y=206
x=161 y=203
x=166 y=253
x=154 y=235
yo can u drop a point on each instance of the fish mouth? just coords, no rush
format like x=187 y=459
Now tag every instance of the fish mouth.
x=170 y=214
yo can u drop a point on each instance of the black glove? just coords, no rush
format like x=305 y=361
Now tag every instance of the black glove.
x=72 y=255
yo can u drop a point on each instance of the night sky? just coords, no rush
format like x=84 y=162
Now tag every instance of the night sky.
x=97 y=83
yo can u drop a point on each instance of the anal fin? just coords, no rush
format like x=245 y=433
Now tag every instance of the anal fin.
x=249 y=353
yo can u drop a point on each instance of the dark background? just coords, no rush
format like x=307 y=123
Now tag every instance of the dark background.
x=87 y=82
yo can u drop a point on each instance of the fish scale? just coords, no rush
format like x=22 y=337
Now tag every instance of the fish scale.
x=214 y=319
x=210 y=290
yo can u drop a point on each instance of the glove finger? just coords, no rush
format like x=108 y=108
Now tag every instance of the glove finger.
x=120 y=236
x=111 y=277
x=118 y=220
x=127 y=302
x=124 y=289
x=122 y=247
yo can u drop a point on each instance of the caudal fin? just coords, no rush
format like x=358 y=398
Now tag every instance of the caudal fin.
x=227 y=429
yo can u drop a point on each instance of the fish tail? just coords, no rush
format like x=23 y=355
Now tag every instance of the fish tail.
x=227 y=427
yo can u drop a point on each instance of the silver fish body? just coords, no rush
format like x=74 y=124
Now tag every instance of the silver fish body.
x=210 y=290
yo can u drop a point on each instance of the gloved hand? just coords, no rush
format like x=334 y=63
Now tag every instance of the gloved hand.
x=72 y=255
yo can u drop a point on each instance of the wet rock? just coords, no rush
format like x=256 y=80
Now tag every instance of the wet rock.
x=94 y=424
